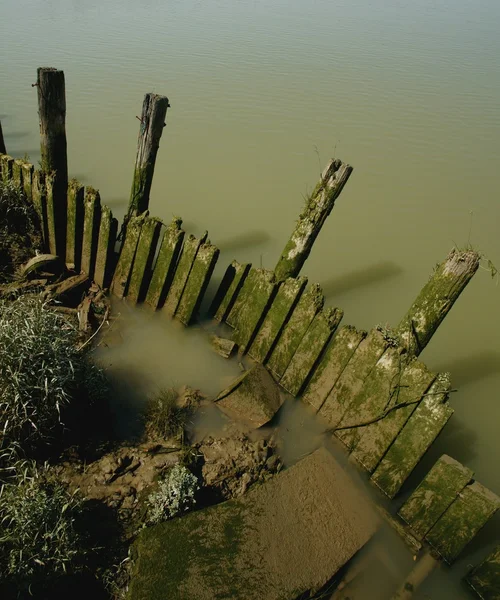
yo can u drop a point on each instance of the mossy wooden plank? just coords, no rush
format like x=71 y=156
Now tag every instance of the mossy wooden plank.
x=284 y=302
x=184 y=266
x=6 y=163
x=375 y=439
x=229 y=289
x=40 y=204
x=375 y=395
x=239 y=304
x=421 y=429
x=197 y=283
x=310 y=349
x=17 y=173
x=434 y=495
x=143 y=261
x=91 y=221
x=256 y=298
x=75 y=223
x=332 y=364
x=50 y=186
x=105 y=248
x=485 y=578
x=28 y=180
x=351 y=380
x=471 y=510
x=309 y=304
x=121 y=277
x=164 y=269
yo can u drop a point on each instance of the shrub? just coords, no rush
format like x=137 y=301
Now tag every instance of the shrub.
x=175 y=494
x=164 y=417
x=20 y=234
x=37 y=528
x=41 y=370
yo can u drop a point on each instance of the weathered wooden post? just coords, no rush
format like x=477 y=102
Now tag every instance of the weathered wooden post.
x=154 y=110
x=2 y=143
x=52 y=115
x=318 y=206
x=436 y=299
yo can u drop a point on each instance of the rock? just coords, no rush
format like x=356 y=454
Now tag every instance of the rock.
x=222 y=346
x=254 y=397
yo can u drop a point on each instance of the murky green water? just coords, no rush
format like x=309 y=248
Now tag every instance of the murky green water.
x=262 y=94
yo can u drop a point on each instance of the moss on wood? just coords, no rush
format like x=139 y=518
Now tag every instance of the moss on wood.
x=143 y=261
x=91 y=222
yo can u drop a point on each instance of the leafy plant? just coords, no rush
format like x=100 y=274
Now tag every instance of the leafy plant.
x=175 y=494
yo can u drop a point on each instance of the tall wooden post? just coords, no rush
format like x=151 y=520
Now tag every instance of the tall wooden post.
x=2 y=143
x=154 y=110
x=436 y=299
x=318 y=206
x=52 y=115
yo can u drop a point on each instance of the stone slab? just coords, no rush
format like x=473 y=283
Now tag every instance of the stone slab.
x=334 y=361
x=282 y=539
x=420 y=431
x=435 y=494
x=310 y=349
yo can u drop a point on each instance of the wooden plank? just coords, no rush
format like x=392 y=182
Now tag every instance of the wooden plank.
x=283 y=305
x=351 y=380
x=470 y=511
x=184 y=266
x=254 y=301
x=28 y=180
x=375 y=439
x=91 y=219
x=420 y=431
x=197 y=283
x=51 y=208
x=17 y=173
x=310 y=349
x=40 y=204
x=334 y=361
x=143 y=261
x=229 y=289
x=104 y=263
x=434 y=495
x=75 y=223
x=309 y=304
x=166 y=262
x=119 y=285
x=6 y=163
x=485 y=578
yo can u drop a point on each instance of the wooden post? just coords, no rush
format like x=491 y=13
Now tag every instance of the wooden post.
x=318 y=206
x=52 y=115
x=2 y=143
x=154 y=110
x=436 y=299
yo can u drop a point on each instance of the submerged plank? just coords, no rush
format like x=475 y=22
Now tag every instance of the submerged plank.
x=485 y=578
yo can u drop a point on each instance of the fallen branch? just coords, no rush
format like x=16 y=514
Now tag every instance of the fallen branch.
x=96 y=331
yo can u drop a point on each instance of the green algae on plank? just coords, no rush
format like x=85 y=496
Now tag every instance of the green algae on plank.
x=39 y=195
x=244 y=292
x=470 y=511
x=228 y=290
x=485 y=578
x=184 y=266
x=75 y=223
x=419 y=432
x=333 y=362
x=6 y=164
x=17 y=173
x=434 y=495
x=51 y=222
x=105 y=248
x=287 y=296
x=91 y=221
x=197 y=283
x=28 y=180
x=119 y=285
x=310 y=349
x=376 y=439
x=166 y=262
x=143 y=260
x=309 y=304
x=351 y=380
x=256 y=297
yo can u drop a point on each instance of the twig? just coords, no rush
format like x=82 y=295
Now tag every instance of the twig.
x=96 y=331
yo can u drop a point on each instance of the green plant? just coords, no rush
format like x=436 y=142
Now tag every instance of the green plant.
x=175 y=494
x=37 y=527
x=164 y=417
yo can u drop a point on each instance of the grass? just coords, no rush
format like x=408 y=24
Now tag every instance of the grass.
x=164 y=417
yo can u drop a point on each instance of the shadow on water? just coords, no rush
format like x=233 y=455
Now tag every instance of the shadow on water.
x=243 y=241
x=360 y=278
x=472 y=368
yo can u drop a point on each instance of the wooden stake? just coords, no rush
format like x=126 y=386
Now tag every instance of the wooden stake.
x=319 y=205
x=2 y=143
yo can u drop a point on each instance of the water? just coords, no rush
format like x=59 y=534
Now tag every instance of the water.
x=262 y=95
